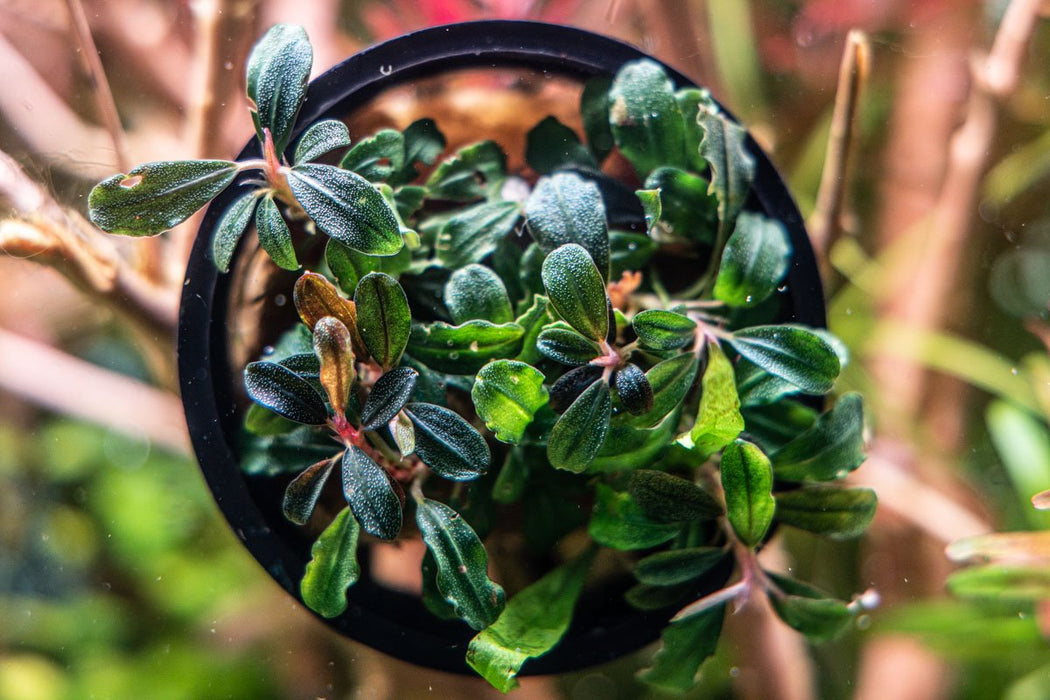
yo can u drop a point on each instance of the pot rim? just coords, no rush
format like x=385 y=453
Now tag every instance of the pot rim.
x=391 y=621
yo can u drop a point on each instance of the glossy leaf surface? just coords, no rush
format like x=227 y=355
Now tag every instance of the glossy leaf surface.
x=475 y=292
x=678 y=565
x=371 y=496
x=322 y=137
x=274 y=236
x=809 y=610
x=473 y=233
x=687 y=208
x=718 y=419
x=686 y=644
x=830 y=449
x=337 y=374
x=302 y=493
x=388 y=396
x=466 y=348
x=551 y=145
x=664 y=330
x=278 y=69
x=754 y=261
x=448 y=444
x=284 y=392
x=565 y=208
x=383 y=317
x=792 y=353
x=377 y=157
x=827 y=510
x=747 y=479
x=576 y=290
x=633 y=389
x=230 y=228
x=578 y=435
x=619 y=522
x=669 y=499
x=566 y=346
x=333 y=567
x=724 y=147
x=469 y=174
x=671 y=381
x=507 y=395
x=646 y=122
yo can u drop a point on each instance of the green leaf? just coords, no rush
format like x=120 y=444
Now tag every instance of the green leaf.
x=747 y=479
x=724 y=147
x=278 y=69
x=403 y=432
x=646 y=122
x=629 y=251
x=633 y=389
x=796 y=354
x=1002 y=582
x=809 y=611
x=389 y=395
x=462 y=564
x=155 y=197
x=383 y=317
x=652 y=207
x=671 y=381
x=533 y=320
x=409 y=200
x=532 y=624
x=512 y=478
x=432 y=597
x=831 y=449
x=302 y=493
x=754 y=261
x=619 y=522
x=371 y=495
x=472 y=173
x=686 y=644
x=346 y=207
x=571 y=384
x=827 y=510
x=473 y=233
x=264 y=422
x=336 y=373
x=627 y=447
x=333 y=567
x=718 y=419
x=565 y=208
x=757 y=387
x=377 y=157
x=349 y=266
x=507 y=395
x=475 y=292
x=678 y=565
x=646 y=597
x=448 y=444
x=230 y=228
x=274 y=236
x=284 y=392
x=286 y=453
x=594 y=109
x=578 y=435
x=322 y=137
x=689 y=101
x=664 y=330
x=466 y=348
x=774 y=425
x=671 y=499
x=551 y=145
x=576 y=291
x=687 y=209
x=566 y=346
x=423 y=144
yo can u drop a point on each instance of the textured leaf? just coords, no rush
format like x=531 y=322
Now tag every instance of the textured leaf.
x=689 y=101
x=532 y=320
x=322 y=137
x=747 y=479
x=286 y=453
x=377 y=157
x=432 y=597
x=348 y=266
x=230 y=228
x=423 y=144
x=646 y=122
x=686 y=644
x=576 y=290
x=633 y=389
x=564 y=208
x=383 y=317
x=647 y=597
x=274 y=236
x=473 y=233
x=575 y=439
x=532 y=623
x=724 y=147
x=827 y=510
x=507 y=395
x=388 y=396
x=332 y=567
x=718 y=419
x=371 y=495
x=671 y=381
x=594 y=109
x=461 y=562
x=403 y=432
x=757 y=387
x=475 y=292
x=796 y=354
x=627 y=447
x=629 y=251
x=831 y=449
x=155 y=197
x=551 y=145
x=670 y=499
x=346 y=207
x=337 y=373
x=302 y=493
x=466 y=348
x=809 y=610
x=678 y=565
x=687 y=208
x=285 y=393
x=470 y=174
x=278 y=69
x=315 y=297
x=566 y=346
x=619 y=522
x=652 y=207
x=265 y=423
x=448 y=444
x=664 y=330
x=754 y=261
x=571 y=384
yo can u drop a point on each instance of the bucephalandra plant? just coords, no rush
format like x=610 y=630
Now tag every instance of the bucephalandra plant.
x=486 y=350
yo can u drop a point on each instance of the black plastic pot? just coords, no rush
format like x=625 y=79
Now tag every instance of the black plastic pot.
x=388 y=620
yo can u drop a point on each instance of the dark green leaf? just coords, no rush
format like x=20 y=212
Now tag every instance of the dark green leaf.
x=409 y=200
x=551 y=145
x=302 y=493
x=155 y=197
x=594 y=108
x=671 y=381
x=462 y=564
x=337 y=373
x=377 y=157
x=466 y=348
x=306 y=365
x=321 y=137
x=533 y=622
x=286 y=453
x=633 y=389
x=827 y=510
x=512 y=478
x=371 y=495
x=565 y=208
x=507 y=395
x=576 y=290
x=774 y=425
x=831 y=449
x=332 y=567
x=629 y=251
x=646 y=122
x=754 y=261
x=571 y=384
x=671 y=499
x=686 y=644
x=349 y=266
x=264 y=422
x=346 y=207
x=472 y=173
x=278 y=68
x=792 y=353
x=758 y=387
x=809 y=611
x=432 y=597
x=448 y=444
x=687 y=209
x=664 y=330
x=678 y=565
x=423 y=144
x=1018 y=281
x=648 y=597
x=724 y=147
x=689 y=101
x=383 y=317
x=274 y=236
x=718 y=419
x=566 y=346
x=579 y=433
x=475 y=292
x=230 y=228
x=389 y=395
x=473 y=233
x=533 y=319
x=284 y=392
x=531 y=267
x=747 y=479
x=619 y=522
x=627 y=447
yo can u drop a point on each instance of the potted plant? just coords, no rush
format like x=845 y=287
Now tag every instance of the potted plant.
x=599 y=375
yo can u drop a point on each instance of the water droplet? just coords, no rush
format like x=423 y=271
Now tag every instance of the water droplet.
x=280 y=300
x=453 y=355
x=386 y=70
x=268 y=350
x=228 y=65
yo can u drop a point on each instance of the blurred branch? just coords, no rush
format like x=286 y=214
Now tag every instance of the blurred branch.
x=59 y=382
x=678 y=30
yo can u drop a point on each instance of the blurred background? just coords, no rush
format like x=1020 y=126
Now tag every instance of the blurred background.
x=926 y=191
